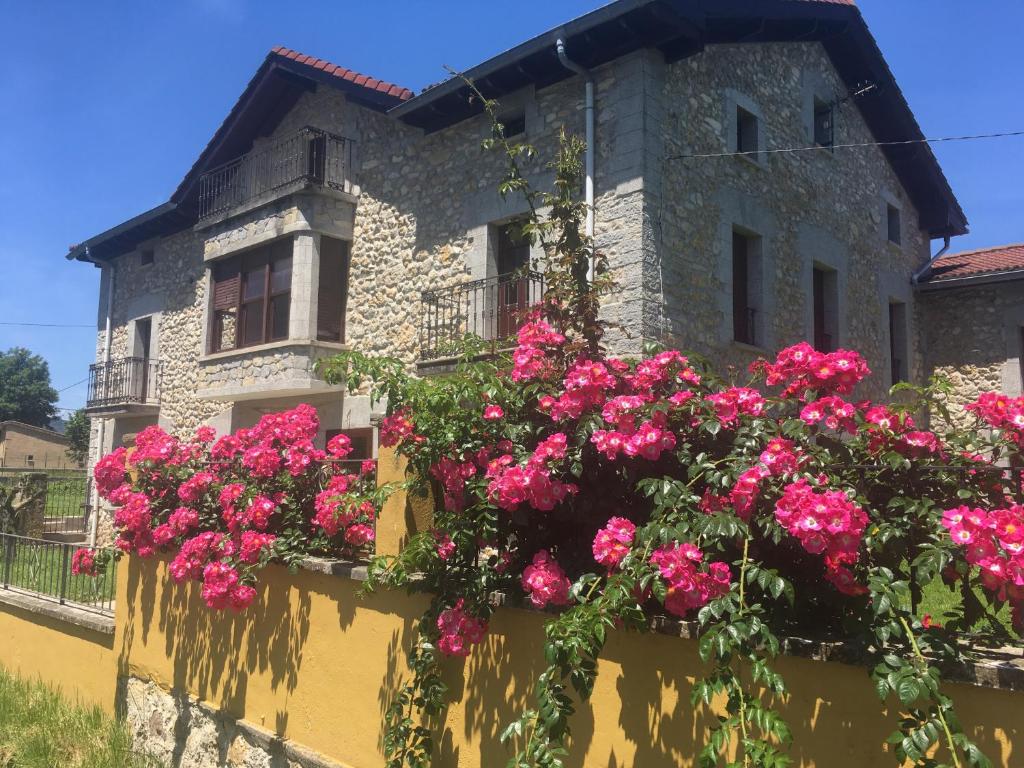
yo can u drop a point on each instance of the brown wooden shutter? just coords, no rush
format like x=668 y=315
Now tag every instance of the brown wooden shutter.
x=226 y=285
x=333 y=291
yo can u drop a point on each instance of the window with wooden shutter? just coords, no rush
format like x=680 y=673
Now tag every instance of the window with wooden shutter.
x=332 y=294
x=252 y=297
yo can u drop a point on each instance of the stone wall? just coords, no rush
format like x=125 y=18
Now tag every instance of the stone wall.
x=821 y=206
x=973 y=339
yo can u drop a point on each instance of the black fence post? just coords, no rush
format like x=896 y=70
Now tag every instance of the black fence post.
x=63 y=571
x=8 y=558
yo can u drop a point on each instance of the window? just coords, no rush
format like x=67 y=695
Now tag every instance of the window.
x=332 y=294
x=746 y=274
x=825 y=300
x=146 y=257
x=898 y=368
x=362 y=442
x=515 y=124
x=746 y=131
x=251 y=297
x=30 y=460
x=824 y=135
x=893 y=223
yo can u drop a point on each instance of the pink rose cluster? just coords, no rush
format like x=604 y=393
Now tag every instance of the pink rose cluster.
x=612 y=543
x=458 y=630
x=83 y=562
x=691 y=585
x=338 y=511
x=545 y=581
x=531 y=359
x=511 y=484
x=734 y=402
x=825 y=523
x=395 y=428
x=801 y=367
x=1002 y=413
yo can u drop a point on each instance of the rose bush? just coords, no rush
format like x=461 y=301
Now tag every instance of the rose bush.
x=225 y=507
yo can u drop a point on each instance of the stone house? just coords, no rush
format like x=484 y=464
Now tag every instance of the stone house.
x=972 y=310
x=331 y=209
x=24 y=446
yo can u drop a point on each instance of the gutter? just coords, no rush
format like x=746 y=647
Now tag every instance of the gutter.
x=915 y=278
x=588 y=107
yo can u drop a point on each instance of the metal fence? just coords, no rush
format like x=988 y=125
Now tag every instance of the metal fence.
x=310 y=155
x=66 y=509
x=489 y=309
x=43 y=569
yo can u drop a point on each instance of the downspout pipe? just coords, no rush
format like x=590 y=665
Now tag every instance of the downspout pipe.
x=588 y=160
x=107 y=328
x=915 y=278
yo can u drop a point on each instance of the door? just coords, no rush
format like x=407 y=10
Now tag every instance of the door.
x=143 y=344
x=513 y=288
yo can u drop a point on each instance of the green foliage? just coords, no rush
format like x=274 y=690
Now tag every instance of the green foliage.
x=77 y=432
x=25 y=391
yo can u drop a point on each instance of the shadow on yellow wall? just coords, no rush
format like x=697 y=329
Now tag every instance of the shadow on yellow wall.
x=316 y=663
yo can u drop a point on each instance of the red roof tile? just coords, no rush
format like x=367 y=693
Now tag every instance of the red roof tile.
x=347 y=74
x=984 y=261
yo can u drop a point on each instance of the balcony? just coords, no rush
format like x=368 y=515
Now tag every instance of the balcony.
x=124 y=385
x=310 y=157
x=488 y=309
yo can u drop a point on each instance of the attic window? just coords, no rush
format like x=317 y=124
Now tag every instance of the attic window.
x=515 y=124
x=893 y=223
x=746 y=131
x=824 y=129
x=146 y=257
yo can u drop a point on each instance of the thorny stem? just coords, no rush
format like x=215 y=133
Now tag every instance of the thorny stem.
x=942 y=718
x=739 y=683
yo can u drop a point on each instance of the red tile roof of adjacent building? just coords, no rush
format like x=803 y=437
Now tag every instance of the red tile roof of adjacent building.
x=352 y=76
x=977 y=263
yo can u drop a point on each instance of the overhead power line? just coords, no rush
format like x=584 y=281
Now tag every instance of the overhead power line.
x=69 y=386
x=830 y=147
x=49 y=325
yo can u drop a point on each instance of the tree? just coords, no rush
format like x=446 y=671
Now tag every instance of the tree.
x=25 y=391
x=77 y=433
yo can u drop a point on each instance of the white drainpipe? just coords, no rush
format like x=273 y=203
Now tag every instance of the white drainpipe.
x=588 y=162
x=95 y=496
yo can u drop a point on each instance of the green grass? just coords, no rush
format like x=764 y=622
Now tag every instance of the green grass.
x=937 y=600
x=39 y=728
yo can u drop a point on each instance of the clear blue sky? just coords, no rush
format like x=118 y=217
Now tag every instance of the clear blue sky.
x=106 y=105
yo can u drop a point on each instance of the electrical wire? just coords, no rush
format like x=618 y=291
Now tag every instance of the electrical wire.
x=47 y=325
x=830 y=147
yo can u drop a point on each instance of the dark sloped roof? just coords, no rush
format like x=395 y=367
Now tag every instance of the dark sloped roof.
x=999 y=261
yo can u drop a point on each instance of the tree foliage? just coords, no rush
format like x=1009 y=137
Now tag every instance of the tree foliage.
x=77 y=432
x=25 y=391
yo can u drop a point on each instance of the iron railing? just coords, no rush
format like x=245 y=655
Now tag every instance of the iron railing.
x=43 y=569
x=124 y=381
x=488 y=309
x=309 y=155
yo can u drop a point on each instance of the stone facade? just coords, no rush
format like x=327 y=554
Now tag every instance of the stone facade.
x=974 y=340
x=420 y=210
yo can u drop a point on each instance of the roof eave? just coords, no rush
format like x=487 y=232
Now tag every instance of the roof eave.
x=972 y=280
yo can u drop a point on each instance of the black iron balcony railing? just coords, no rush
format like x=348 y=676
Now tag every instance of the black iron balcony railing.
x=488 y=309
x=310 y=155
x=125 y=381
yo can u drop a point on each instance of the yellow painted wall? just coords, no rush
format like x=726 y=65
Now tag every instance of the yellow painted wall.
x=77 y=660
x=314 y=662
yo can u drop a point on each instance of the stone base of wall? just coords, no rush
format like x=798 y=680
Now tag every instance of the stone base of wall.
x=178 y=730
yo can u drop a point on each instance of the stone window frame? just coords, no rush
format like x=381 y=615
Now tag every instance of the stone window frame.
x=895 y=287
x=733 y=101
x=888 y=199
x=1013 y=334
x=818 y=248
x=816 y=88
x=747 y=215
x=522 y=102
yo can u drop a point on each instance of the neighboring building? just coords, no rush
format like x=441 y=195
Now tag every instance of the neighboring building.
x=972 y=310
x=331 y=209
x=24 y=446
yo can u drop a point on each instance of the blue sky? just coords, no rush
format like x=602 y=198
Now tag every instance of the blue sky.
x=108 y=104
